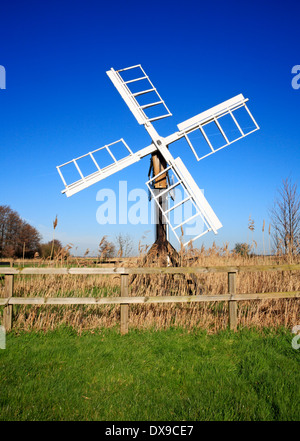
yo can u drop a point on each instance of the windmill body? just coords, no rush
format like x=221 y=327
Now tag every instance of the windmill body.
x=130 y=83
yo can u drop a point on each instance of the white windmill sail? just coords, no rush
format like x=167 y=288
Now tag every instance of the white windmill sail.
x=143 y=86
x=99 y=172
x=216 y=115
x=192 y=194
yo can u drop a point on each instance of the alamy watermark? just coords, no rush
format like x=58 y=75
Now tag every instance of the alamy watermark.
x=296 y=78
x=2 y=77
x=132 y=207
x=2 y=338
x=296 y=339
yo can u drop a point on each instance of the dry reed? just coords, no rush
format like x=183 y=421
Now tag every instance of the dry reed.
x=212 y=316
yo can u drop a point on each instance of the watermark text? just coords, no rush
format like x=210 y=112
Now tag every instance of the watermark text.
x=296 y=339
x=2 y=77
x=296 y=78
x=132 y=207
x=2 y=338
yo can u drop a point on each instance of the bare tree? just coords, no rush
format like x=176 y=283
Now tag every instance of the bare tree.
x=124 y=245
x=285 y=218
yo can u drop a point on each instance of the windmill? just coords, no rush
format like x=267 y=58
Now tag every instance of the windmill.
x=144 y=101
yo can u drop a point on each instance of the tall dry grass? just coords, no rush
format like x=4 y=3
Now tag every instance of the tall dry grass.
x=212 y=316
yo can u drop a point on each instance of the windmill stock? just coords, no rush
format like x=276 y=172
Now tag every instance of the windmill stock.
x=134 y=85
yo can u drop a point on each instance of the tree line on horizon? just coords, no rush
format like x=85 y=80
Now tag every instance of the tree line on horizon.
x=20 y=239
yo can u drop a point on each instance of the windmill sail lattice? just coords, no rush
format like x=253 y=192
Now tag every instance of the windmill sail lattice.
x=216 y=115
x=192 y=193
x=101 y=172
x=142 y=86
x=140 y=95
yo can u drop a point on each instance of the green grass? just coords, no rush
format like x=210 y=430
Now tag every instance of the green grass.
x=166 y=375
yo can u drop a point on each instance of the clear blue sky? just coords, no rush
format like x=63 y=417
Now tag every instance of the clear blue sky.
x=60 y=104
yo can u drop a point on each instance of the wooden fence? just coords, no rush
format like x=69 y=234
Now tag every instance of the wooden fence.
x=125 y=300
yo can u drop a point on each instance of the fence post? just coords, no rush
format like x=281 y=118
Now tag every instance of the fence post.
x=8 y=310
x=232 y=304
x=124 y=307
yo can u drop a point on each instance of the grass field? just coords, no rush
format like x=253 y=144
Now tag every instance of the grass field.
x=169 y=375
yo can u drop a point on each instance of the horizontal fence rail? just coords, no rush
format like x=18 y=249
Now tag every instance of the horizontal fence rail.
x=146 y=299
x=124 y=300
x=149 y=270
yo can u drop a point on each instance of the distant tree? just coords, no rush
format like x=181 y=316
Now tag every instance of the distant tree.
x=285 y=219
x=242 y=248
x=50 y=249
x=124 y=245
x=16 y=236
x=106 y=249
x=28 y=241
x=10 y=224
